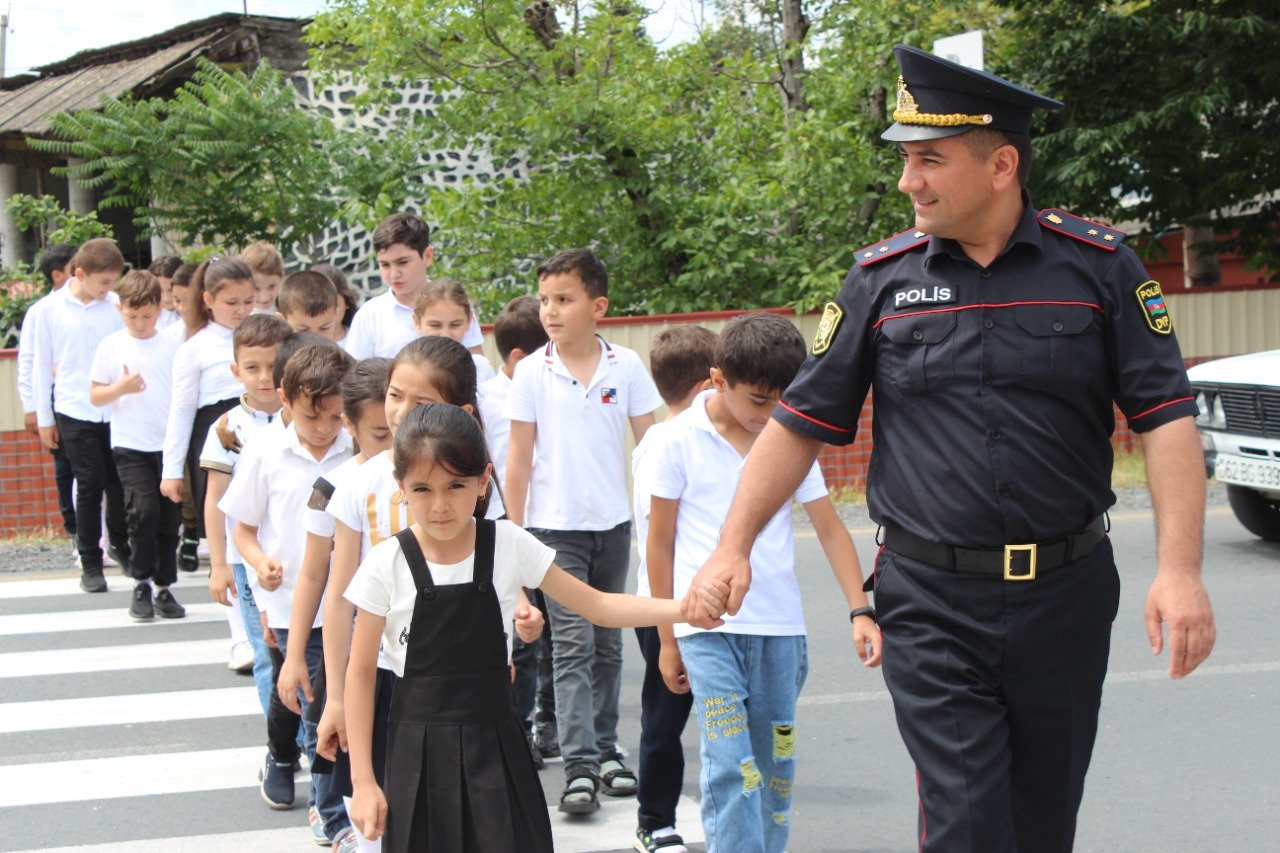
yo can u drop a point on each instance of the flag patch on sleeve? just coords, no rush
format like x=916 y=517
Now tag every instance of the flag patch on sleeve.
x=1151 y=298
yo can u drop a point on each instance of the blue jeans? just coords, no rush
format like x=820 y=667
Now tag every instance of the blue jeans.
x=586 y=659
x=744 y=692
x=327 y=801
x=253 y=627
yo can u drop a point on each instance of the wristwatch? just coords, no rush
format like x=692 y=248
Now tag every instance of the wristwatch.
x=863 y=611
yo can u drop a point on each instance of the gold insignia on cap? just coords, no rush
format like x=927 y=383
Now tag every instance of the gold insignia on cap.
x=1110 y=238
x=907 y=111
x=1054 y=218
x=827 y=326
x=1093 y=232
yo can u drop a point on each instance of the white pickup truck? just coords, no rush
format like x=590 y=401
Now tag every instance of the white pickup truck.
x=1239 y=426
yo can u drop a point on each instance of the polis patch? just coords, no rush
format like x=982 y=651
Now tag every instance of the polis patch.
x=1151 y=298
x=827 y=326
x=932 y=295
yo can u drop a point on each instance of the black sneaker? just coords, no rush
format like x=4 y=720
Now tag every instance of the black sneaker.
x=538 y=761
x=91 y=580
x=167 y=606
x=277 y=784
x=547 y=742
x=121 y=556
x=141 y=608
x=188 y=555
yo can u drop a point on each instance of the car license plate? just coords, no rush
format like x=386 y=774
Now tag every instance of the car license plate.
x=1261 y=473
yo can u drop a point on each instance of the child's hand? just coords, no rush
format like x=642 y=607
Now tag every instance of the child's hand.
x=227 y=437
x=529 y=622
x=270 y=573
x=867 y=640
x=331 y=733
x=294 y=677
x=671 y=665
x=49 y=437
x=697 y=614
x=268 y=636
x=369 y=810
x=130 y=383
x=222 y=584
x=172 y=489
x=715 y=596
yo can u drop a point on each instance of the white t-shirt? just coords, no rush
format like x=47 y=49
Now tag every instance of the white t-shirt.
x=27 y=353
x=696 y=466
x=201 y=376
x=383 y=585
x=370 y=501
x=269 y=491
x=66 y=335
x=497 y=427
x=484 y=371
x=246 y=423
x=579 y=478
x=177 y=331
x=167 y=318
x=137 y=420
x=320 y=521
x=641 y=472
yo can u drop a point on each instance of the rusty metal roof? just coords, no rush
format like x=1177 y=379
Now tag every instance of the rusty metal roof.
x=27 y=110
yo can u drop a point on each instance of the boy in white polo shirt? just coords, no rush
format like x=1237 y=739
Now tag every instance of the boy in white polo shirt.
x=746 y=675
x=384 y=324
x=132 y=373
x=570 y=404
x=65 y=338
x=267 y=498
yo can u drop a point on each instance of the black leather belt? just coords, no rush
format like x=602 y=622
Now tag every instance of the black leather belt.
x=1013 y=562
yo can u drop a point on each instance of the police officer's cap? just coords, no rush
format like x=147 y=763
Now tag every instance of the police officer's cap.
x=938 y=98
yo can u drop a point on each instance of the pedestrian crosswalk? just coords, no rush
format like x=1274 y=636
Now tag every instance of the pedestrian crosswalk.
x=124 y=736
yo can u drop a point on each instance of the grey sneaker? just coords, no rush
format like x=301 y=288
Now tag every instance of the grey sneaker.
x=141 y=608
x=346 y=841
x=167 y=606
x=91 y=580
x=547 y=741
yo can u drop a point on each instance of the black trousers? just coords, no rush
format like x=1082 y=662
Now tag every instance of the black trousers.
x=152 y=518
x=88 y=446
x=282 y=724
x=206 y=417
x=996 y=686
x=663 y=715
x=65 y=478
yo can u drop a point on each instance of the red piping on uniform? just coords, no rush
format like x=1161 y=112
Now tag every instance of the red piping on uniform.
x=822 y=424
x=924 y=820
x=1161 y=406
x=1091 y=305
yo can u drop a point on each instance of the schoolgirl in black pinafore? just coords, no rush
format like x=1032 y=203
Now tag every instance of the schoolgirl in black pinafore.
x=459 y=773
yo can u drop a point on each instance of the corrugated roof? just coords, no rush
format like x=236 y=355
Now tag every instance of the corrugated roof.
x=26 y=111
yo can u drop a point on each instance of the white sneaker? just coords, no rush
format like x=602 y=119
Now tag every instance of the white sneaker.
x=75 y=554
x=202 y=550
x=241 y=659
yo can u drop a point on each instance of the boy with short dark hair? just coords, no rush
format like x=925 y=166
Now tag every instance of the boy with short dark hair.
x=384 y=324
x=567 y=483
x=680 y=360
x=308 y=302
x=132 y=373
x=66 y=335
x=54 y=265
x=264 y=260
x=267 y=497
x=745 y=676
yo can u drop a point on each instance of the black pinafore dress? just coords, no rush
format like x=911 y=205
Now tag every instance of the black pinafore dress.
x=460 y=778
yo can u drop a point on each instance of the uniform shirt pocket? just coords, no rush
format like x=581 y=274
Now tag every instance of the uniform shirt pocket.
x=1061 y=342
x=920 y=351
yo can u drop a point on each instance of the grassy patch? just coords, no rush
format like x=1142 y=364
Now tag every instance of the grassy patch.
x=40 y=536
x=841 y=495
x=1129 y=471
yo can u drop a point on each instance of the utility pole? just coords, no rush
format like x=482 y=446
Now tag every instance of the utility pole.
x=4 y=32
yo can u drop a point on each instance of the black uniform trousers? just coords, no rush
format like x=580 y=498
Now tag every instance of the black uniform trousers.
x=88 y=446
x=996 y=686
x=152 y=518
x=663 y=715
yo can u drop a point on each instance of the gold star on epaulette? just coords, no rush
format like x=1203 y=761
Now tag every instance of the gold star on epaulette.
x=1093 y=232
x=1110 y=238
x=895 y=245
x=1083 y=230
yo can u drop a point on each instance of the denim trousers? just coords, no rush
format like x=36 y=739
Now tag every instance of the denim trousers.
x=587 y=660
x=152 y=518
x=327 y=801
x=262 y=677
x=745 y=688
x=88 y=445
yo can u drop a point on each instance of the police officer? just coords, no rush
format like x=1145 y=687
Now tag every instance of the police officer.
x=994 y=339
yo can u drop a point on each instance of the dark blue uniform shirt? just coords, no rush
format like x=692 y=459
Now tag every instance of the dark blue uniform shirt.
x=992 y=388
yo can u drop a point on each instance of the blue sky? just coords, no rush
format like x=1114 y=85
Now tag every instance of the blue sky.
x=44 y=31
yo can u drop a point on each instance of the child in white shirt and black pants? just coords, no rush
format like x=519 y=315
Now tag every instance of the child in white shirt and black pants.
x=132 y=373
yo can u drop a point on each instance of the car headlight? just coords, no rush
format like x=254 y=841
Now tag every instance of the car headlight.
x=1204 y=407
x=1211 y=415
x=1218 y=415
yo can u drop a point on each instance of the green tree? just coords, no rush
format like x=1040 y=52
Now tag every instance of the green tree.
x=52 y=223
x=1171 y=116
x=230 y=158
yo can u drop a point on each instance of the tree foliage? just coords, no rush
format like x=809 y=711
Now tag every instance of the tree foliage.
x=1172 y=112
x=52 y=223
x=229 y=158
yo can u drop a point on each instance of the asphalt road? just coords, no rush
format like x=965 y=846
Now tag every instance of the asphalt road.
x=1187 y=765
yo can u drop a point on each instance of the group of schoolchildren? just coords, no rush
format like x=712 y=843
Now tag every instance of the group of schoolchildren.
x=426 y=556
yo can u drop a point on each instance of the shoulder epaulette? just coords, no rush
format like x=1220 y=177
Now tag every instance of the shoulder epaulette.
x=1093 y=233
x=895 y=245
